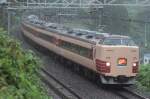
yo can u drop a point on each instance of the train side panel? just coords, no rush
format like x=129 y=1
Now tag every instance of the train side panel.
x=86 y=62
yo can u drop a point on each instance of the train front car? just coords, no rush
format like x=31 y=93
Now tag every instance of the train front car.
x=117 y=60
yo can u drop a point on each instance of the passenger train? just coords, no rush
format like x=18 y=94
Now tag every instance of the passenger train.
x=115 y=58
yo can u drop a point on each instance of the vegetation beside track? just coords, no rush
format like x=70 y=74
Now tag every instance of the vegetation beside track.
x=144 y=77
x=18 y=71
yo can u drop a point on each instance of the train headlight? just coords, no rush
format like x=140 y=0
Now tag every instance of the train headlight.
x=108 y=64
x=135 y=67
x=134 y=64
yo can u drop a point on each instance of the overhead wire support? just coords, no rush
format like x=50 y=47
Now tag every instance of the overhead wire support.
x=75 y=4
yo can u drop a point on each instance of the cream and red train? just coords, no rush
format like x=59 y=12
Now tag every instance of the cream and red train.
x=114 y=57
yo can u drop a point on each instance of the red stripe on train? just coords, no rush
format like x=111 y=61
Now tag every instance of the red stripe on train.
x=102 y=67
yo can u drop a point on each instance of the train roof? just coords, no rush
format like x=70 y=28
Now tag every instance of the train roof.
x=119 y=36
x=82 y=34
x=89 y=32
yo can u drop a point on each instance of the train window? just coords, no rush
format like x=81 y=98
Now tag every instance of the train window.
x=77 y=49
x=41 y=35
x=112 y=42
x=119 y=41
x=128 y=42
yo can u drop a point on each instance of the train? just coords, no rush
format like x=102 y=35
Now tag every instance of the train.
x=114 y=58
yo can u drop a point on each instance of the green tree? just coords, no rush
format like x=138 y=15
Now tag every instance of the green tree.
x=18 y=71
x=144 y=76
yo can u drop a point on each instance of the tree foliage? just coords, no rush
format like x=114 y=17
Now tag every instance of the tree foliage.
x=18 y=71
x=144 y=76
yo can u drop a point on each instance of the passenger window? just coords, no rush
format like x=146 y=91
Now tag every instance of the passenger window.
x=77 y=49
x=43 y=36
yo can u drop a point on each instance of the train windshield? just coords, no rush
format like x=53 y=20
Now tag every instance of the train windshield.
x=119 y=41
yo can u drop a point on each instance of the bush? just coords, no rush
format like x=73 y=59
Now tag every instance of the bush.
x=144 y=76
x=18 y=71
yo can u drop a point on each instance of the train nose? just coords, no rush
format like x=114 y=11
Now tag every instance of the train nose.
x=121 y=58
x=123 y=61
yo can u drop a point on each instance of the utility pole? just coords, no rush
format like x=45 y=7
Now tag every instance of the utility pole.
x=146 y=34
x=8 y=23
x=27 y=3
x=45 y=2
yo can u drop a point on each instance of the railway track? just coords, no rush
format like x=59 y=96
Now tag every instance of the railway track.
x=135 y=94
x=60 y=89
x=65 y=92
x=128 y=94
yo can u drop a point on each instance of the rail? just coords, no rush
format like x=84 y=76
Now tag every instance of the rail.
x=128 y=94
x=62 y=90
